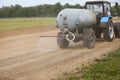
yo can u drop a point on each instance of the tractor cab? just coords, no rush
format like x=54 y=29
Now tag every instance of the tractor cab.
x=100 y=8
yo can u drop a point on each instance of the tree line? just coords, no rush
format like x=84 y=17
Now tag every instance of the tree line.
x=35 y=11
x=46 y=10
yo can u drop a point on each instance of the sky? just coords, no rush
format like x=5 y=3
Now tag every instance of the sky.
x=26 y=3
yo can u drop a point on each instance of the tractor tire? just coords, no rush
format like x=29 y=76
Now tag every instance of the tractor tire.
x=117 y=33
x=61 y=40
x=89 y=42
x=108 y=32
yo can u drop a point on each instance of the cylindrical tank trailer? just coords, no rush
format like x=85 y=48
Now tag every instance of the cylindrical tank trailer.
x=73 y=19
x=75 y=25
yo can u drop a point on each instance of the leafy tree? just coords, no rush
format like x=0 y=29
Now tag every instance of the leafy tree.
x=116 y=11
x=57 y=7
x=35 y=11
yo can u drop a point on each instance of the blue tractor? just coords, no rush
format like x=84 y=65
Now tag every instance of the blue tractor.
x=95 y=21
x=105 y=25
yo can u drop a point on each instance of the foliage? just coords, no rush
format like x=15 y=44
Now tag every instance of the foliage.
x=46 y=10
x=116 y=11
x=107 y=68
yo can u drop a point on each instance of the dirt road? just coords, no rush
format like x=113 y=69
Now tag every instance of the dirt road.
x=31 y=57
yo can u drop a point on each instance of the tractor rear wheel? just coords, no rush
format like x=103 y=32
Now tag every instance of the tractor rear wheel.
x=61 y=40
x=109 y=31
x=117 y=33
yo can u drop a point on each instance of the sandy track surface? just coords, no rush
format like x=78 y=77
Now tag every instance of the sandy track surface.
x=31 y=57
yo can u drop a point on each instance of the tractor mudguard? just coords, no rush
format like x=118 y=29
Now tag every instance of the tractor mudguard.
x=104 y=21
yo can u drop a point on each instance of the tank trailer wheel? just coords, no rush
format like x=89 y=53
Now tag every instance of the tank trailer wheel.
x=61 y=40
x=89 y=42
x=89 y=38
x=109 y=32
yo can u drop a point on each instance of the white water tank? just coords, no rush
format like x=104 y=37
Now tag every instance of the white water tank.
x=73 y=19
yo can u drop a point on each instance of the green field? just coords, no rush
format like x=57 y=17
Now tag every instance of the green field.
x=107 y=68
x=16 y=23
